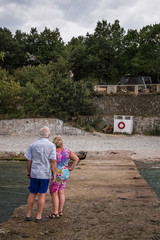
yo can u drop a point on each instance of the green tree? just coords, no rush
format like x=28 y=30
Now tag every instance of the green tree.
x=70 y=98
x=10 y=94
x=6 y=49
x=149 y=40
x=130 y=59
x=32 y=45
x=77 y=57
x=25 y=74
x=44 y=47
x=35 y=81
x=12 y=49
x=99 y=54
x=108 y=48
x=29 y=100
x=20 y=49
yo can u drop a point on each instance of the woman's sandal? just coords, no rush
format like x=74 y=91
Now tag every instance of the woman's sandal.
x=53 y=215
x=60 y=214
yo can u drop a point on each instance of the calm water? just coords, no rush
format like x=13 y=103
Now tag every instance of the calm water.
x=151 y=173
x=13 y=187
x=14 y=184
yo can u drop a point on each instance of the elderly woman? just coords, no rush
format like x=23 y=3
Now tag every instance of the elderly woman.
x=57 y=187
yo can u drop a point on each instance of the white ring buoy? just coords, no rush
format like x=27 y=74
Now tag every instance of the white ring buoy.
x=121 y=125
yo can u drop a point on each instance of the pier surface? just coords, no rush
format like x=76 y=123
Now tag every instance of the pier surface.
x=106 y=198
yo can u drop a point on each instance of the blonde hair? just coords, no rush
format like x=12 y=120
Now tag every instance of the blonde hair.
x=58 y=141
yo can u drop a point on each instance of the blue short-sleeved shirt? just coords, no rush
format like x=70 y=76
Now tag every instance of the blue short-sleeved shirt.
x=40 y=153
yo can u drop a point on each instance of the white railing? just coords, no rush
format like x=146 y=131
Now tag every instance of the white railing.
x=128 y=89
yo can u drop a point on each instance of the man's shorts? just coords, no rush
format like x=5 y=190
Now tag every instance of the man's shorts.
x=38 y=185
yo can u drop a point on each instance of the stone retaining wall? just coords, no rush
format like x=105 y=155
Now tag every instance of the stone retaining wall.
x=141 y=124
x=141 y=105
x=144 y=108
x=32 y=126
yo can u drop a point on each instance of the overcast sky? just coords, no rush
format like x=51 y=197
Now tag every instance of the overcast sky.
x=76 y=17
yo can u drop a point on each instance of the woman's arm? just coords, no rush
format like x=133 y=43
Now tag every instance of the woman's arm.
x=75 y=159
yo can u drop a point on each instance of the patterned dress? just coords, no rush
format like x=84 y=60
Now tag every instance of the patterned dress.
x=62 y=171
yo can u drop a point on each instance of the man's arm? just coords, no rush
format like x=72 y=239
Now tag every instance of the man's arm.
x=29 y=163
x=54 y=168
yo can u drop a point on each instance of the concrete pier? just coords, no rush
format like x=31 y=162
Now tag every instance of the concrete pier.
x=106 y=198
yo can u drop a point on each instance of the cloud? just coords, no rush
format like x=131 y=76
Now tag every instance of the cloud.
x=76 y=17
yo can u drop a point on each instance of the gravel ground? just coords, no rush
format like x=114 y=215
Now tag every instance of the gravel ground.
x=141 y=147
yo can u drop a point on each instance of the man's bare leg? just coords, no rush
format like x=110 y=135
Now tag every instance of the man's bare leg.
x=30 y=203
x=40 y=204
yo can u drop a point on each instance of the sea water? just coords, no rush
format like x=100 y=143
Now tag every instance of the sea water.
x=14 y=184
x=13 y=187
x=151 y=173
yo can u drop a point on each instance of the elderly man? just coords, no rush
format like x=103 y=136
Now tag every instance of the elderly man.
x=41 y=161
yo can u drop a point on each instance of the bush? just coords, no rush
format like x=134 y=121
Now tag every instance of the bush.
x=154 y=132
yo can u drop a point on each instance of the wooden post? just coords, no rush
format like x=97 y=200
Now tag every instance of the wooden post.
x=136 y=89
x=158 y=88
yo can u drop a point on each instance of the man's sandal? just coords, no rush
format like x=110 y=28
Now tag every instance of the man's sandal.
x=43 y=219
x=60 y=214
x=53 y=215
x=28 y=218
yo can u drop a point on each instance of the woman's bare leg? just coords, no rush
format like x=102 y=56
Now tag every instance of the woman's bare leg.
x=55 y=202
x=61 y=194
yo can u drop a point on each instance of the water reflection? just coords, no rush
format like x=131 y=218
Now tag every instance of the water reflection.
x=13 y=187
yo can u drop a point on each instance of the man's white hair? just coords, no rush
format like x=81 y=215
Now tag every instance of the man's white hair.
x=44 y=132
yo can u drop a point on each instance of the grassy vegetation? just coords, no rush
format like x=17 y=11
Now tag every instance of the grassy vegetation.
x=92 y=125
x=153 y=132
